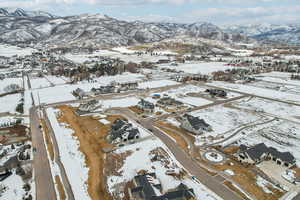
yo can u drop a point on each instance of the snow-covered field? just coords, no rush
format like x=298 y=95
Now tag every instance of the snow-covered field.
x=286 y=81
x=14 y=187
x=180 y=94
x=56 y=80
x=269 y=93
x=39 y=83
x=279 y=109
x=156 y=84
x=9 y=103
x=224 y=120
x=121 y=102
x=140 y=152
x=198 y=67
x=116 y=53
x=284 y=75
x=72 y=159
x=63 y=92
x=9 y=51
x=8 y=81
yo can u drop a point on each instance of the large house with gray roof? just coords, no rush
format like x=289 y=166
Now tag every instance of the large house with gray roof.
x=148 y=187
x=145 y=105
x=122 y=132
x=194 y=125
x=260 y=152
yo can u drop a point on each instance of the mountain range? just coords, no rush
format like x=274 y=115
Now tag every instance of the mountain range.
x=20 y=26
x=268 y=33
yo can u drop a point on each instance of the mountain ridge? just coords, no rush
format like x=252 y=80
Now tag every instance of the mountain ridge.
x=96 y=29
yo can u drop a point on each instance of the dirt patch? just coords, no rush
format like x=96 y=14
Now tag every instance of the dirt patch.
x=297 y=170
x=231 y=150
x=92 y=138
x=15 y=131
x=136 y=110
x=172 y=133
x=48 y=140
x=235 y=189
x=115 y=163
x=60 y=188
x=246 y=178
x=112 y=168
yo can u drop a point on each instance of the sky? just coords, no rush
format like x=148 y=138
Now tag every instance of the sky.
x=182 y=11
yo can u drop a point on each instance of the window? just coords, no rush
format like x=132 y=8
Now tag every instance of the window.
x=278 y=162
x=286 y=164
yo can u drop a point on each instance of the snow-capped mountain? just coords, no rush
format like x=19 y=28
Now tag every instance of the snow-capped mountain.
x=268 y=32
x=95 y=29
x=22 y=13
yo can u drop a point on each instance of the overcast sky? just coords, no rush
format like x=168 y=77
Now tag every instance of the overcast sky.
x=215 y=11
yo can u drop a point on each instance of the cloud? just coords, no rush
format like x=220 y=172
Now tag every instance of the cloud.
x=275 y=14
x=215 y=11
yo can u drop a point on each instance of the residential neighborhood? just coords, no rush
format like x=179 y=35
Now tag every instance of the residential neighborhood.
x=94 y=107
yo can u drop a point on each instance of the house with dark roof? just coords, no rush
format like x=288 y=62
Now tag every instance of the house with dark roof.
x=169 y=102
x=216 y=92
x=148 y=187
x=122 y=131
x=260 y=152
x=145 y=105
x=194 y=125
x=88 y=106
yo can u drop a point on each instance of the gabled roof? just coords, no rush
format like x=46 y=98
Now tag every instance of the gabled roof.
x=196 y=122
x=258 y=150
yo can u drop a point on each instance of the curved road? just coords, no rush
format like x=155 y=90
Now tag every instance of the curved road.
x=185 y=160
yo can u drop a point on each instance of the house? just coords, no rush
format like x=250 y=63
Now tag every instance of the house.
x=148 y=187
x=89 y=106
x=260 y=152
x=168 y=102
x=216 y=92
x=193 y=124
x=104 y=89
x=80 y=93
x=145 y=105
x=122 y=131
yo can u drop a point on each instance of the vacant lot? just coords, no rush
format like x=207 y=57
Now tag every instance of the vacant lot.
x=92 y=137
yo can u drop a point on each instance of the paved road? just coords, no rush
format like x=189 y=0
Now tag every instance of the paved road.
x=42 y=173
x=188 y=163
x=65 y=180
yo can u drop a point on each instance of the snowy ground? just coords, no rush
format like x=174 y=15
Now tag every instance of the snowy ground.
x=81 y=58
x=280 y=80
x=9 y=51
x=9 y=103
x=181 y=94
x=8 y=81
x=39 y=83
x=269 y=93
x=55 y=80
x=14 y=187
x=63 y=92
x=156 y=84
x=121 y=102
x=72 y=159
x=198 y=67
x=282 y=110
x=224 y=120
x=140 y=152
